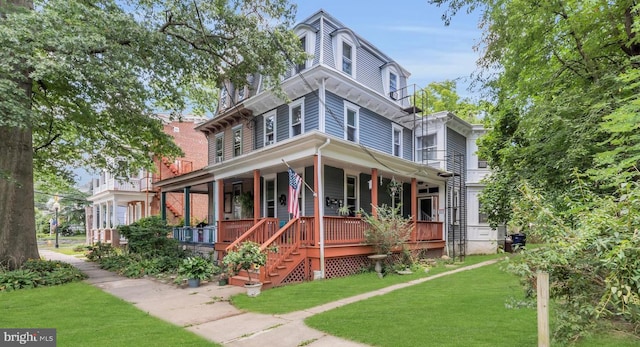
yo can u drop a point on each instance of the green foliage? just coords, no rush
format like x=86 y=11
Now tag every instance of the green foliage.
x=442 y=96
x=246 y=256
x=36 y=273
x=592 y=258
x=149 y=237
x=98 y=251
x=83 y=58
x=388 y=230
x=196 y=268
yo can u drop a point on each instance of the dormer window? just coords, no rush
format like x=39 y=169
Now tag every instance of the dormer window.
x=347 y=58
x=393 y=85
x=391 y=82
x=345 y=50
x=307 y=36
x=241 y=93
x=303 y=45
x=224 y=98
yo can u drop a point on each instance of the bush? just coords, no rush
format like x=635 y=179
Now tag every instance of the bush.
x=35 y=273
x=148 y=236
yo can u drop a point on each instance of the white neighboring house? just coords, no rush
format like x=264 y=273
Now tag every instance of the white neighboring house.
x=445 y=141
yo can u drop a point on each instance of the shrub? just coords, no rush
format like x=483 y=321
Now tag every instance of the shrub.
x=35 y=273
x=149 y=236
x=388 y=230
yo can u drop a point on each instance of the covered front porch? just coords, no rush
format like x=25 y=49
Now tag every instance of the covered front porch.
x=248 y=198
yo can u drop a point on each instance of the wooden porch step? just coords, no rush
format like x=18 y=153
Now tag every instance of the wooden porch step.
x=288 y=260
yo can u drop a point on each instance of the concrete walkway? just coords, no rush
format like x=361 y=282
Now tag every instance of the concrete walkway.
x=207 y=312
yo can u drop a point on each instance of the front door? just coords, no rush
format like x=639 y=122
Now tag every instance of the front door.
x=428 y=207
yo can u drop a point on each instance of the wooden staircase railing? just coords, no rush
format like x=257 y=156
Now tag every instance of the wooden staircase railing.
x=259 y=233
x=287 y=256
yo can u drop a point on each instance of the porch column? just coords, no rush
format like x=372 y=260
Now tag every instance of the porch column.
x=316 y=202
x=374 y=191
x=414 y=207
x=187 y=206
x=220 y=200
x=211 y=204
x=163 y=206
x=256 y=195
x=94 y=222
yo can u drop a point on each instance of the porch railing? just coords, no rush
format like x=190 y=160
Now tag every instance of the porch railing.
x=206 y=234
x=427 y=231
x=231 y=230
x=258 y=233
x=343 y=230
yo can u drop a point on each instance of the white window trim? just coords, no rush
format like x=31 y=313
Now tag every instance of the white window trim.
x=339 y=40
x=395 y=127
x=309 y=48
x=233 y=132
x=275 y=127
x=356 y=108
x=299 y=102
x=418 y=158
x=274 y=178
x=386 y=85
x=216 y=159
x=357 y=188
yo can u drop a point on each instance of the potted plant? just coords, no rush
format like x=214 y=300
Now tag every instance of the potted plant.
x=344 y=211
x=247 y=256
x=195 y=269
x=388 y=230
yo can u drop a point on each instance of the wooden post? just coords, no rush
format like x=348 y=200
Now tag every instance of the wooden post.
x=543 y=309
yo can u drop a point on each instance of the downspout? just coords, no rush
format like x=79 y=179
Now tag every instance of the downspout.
x=321 y=212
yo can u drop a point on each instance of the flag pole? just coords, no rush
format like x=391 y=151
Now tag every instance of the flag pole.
x=303 y=181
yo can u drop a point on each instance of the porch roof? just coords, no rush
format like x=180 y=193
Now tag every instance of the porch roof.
x=299 y=152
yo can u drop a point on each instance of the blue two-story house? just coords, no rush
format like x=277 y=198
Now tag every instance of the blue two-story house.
x=347 y=128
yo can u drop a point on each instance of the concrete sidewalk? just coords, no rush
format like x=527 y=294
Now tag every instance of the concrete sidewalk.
x=207 y=312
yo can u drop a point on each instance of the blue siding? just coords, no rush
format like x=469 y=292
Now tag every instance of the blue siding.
x=329 y=59
x=407 y=144
x=368 y=70
x=282 y=122
x=282 y=188
x=333 y=188
x=375 y=131
x=259 y=131
x=311 y=112
x=365 y=193
x=334 y=117
x=308 y=195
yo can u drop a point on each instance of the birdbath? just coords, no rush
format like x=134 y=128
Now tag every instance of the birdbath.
x=377 y=258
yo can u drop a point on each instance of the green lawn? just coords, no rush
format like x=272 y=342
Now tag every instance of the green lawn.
x=305 y=295
x=464 y=309
x=86 y=316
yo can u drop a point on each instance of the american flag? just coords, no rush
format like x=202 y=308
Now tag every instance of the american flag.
x=295 y=181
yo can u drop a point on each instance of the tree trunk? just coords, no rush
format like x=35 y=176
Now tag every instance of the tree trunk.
x=17 y=214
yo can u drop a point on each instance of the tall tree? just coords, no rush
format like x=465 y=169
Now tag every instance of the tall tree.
x=80 y=81
x=442 y=96
x=565 y=77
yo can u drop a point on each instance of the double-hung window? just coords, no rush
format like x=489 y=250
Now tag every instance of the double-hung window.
x=219 y=148
x=347 y=58
x=303 y=45
x=427 y=146
x=393 y=86
x=237 y=141
x=397 y=141
x=270 y=128
x=351 y=120
x=296 y=117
